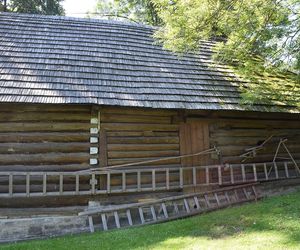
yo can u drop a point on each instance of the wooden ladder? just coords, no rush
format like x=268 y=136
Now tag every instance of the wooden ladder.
x=169 y=208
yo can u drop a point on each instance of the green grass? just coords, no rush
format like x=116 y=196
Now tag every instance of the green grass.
x=273 y=223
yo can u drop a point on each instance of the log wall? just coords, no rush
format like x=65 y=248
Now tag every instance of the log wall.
x=233 y=137
x=133 y=135
x=233 y=132
x=44 y=137
x=59 y=138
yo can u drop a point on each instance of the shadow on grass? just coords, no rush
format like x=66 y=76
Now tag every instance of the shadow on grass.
x=279 y=216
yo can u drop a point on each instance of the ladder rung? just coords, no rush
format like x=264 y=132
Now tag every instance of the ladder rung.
x=117 y=220
x=104 y=222
x=176 y=210
x=141 y=215
x=164 y=208
x=91 y=224
x=153 y=213
x=227 y=197
x=254 y=191
x=186 y=205
x=207 y=201
x=246 y=194
x=129 y=217
x=217 y=199
x=196 y=202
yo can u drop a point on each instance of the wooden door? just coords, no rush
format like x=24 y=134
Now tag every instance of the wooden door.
x=194 y=138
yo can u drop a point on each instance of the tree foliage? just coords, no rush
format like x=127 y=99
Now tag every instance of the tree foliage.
x=44 y=7
x=141 y=11
x=260 y=38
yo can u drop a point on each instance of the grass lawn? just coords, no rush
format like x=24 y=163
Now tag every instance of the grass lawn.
x=273 y=223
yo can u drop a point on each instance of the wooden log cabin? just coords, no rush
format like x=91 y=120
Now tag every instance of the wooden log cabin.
x=81 y=94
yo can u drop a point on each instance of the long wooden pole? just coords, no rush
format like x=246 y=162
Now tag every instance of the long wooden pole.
x=208 y=151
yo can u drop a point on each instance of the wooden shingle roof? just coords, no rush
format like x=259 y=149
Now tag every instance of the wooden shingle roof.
x=47 y=59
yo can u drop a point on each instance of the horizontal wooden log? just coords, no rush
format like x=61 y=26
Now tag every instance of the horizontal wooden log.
x=44 y=107
x=139 y=127
x=268 y=124
x=246 y=141
x=43 y=126
x=47 y=158
x=143 y=140
x=141 y=133
x=43 y=116
x=141 y=147
x=254 y=132
x=141 y=154
x=110 y=118
x=137 y=111
x=14 y=148
x=45 y=137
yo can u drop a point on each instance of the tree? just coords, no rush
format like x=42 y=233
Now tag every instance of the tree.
x=257 y=37
x=44 y=7
x=141 y=11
